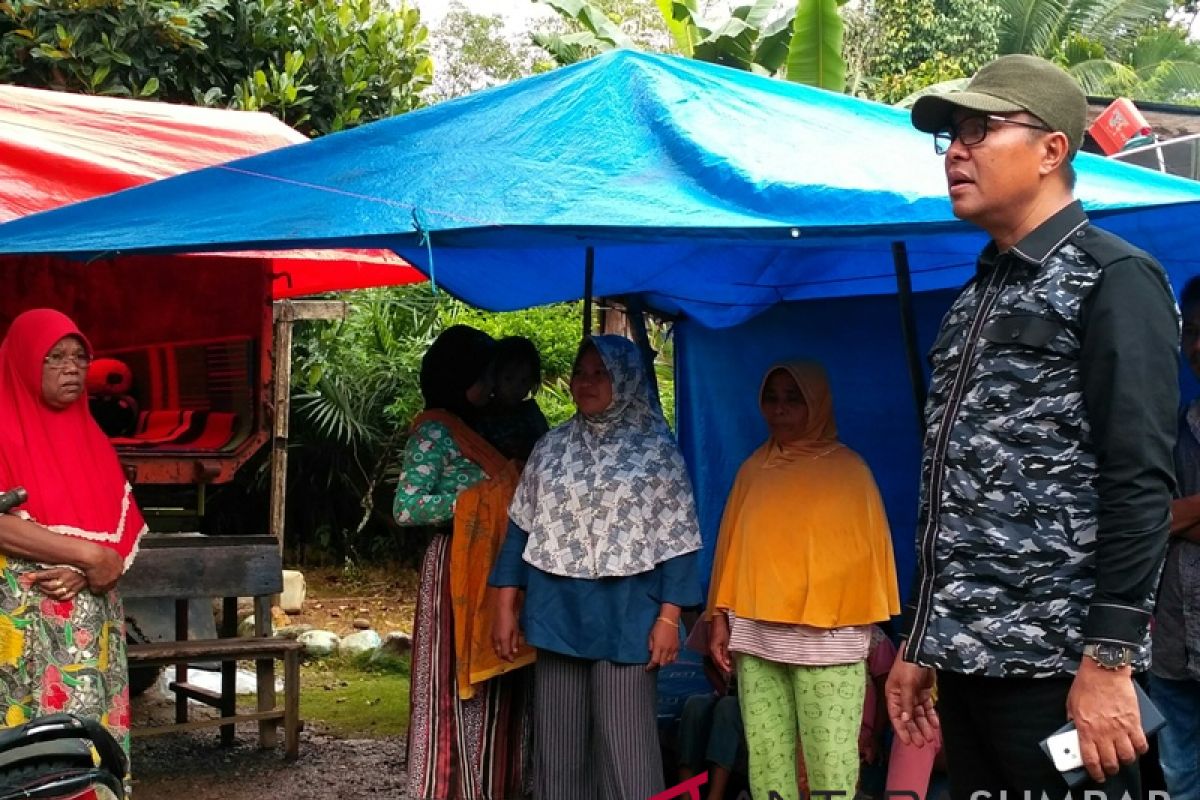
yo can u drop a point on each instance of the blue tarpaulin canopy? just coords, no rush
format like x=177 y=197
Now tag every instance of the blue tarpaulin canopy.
x=715 y=194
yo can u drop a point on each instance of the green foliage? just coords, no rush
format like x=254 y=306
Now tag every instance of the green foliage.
x=331 y=64
x=923 y=42
x=586 y=28
x=473 y=51
x=1158 y=63
x=603 y=33
x=1040 y=27
x=356 y=386
x=815 y=54
x=1130 y=48
x=320 y=65
x=802 y=43
x=677 y=16
x=555 y=329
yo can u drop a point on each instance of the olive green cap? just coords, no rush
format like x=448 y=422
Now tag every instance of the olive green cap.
x=1008 y=85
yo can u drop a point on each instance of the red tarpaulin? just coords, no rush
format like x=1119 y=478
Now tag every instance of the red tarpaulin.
x=58 y=148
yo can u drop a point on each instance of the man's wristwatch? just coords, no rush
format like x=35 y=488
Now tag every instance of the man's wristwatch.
x=1108 y=655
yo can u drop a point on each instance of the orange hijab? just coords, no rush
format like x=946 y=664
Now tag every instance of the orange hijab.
x=804 y=539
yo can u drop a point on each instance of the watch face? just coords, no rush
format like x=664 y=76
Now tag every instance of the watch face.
x=1112 y=654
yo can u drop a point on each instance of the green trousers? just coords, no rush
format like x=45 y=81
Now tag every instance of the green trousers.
x=820 y=706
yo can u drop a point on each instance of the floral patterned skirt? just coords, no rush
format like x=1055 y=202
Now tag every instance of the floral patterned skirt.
x=64 y=656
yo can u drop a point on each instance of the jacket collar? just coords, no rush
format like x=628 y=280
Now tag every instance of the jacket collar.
x=1043 y=241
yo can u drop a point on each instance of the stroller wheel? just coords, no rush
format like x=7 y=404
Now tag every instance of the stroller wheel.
x=51 y=780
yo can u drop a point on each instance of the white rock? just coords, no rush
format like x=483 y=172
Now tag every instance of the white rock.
x=319 y=643
x=247 y=682
x=361 y=642
x=294 y=591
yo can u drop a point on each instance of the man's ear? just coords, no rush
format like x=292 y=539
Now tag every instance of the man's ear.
x=1056 y=150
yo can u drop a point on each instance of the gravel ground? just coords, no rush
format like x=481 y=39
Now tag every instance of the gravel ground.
x=194 y=766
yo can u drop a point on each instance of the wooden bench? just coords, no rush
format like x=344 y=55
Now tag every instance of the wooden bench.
x=182 y=566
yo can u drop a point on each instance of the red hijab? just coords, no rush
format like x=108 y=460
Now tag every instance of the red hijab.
x=76 y=485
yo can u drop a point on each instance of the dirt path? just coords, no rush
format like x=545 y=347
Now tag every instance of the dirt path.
x=193 y=766
x=383 y=598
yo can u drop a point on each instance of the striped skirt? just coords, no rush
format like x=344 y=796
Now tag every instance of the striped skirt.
x=477 y=749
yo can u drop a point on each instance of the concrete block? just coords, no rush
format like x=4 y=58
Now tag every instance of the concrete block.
x=294 y=590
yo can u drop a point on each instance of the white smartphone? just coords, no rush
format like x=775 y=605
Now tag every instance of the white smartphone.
x=1064 y=749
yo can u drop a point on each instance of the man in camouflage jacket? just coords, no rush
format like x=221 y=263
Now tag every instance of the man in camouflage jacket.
x=1047 y=470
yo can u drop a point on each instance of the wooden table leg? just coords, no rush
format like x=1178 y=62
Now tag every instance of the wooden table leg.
x=291 y=703
x=181 y=670
x=265 y=669
x=228 y=672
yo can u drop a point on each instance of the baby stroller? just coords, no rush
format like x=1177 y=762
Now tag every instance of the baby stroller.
x=61 y=757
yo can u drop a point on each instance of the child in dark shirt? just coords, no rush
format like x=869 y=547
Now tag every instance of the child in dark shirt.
x=512 y=420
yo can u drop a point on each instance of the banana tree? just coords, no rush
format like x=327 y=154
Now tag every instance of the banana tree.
x=801 y=42
x=596 y=32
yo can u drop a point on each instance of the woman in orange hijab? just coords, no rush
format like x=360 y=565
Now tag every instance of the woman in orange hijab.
x=803 y=567
x=62 y=629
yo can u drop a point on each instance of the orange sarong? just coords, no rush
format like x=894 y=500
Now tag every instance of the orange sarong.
x=480 y=525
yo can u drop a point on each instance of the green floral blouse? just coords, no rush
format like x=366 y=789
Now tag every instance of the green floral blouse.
x=433 y=473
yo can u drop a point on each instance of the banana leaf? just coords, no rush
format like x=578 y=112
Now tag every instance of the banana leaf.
x=592 y=18
x=683 y=22
x=815 y=54
x=772 y=51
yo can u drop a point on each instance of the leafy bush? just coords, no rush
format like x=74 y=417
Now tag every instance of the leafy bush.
x=319 y=65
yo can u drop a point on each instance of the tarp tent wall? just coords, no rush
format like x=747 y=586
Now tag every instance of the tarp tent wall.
x=858 y=340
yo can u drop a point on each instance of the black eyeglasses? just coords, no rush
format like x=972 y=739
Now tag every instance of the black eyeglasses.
x=973 y=130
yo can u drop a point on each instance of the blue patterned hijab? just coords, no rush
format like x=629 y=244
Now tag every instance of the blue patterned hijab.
x=608 y=495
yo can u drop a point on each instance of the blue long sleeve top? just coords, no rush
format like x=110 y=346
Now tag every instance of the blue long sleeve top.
x=605 y=619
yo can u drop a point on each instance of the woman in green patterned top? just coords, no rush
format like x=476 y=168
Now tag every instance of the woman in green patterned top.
x=473 y=749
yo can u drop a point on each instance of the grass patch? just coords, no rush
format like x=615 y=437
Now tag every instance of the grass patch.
x=352 y=697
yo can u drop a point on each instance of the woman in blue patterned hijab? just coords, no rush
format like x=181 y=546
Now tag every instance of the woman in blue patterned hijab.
x=603 y=541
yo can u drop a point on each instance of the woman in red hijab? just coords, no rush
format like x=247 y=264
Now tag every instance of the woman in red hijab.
x=62 y=632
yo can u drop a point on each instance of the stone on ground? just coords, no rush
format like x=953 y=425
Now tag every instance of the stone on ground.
x=319 y=643
x=294 y=591
x=361 y=642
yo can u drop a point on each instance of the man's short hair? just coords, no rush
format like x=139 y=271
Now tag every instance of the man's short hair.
x=1191 y=293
